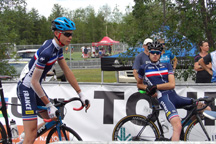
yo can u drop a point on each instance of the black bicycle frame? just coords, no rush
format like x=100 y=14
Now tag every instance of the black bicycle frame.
x=4 y=112
x=45 y=127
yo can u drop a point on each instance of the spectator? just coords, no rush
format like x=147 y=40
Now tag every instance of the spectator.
x=167 y=56
x=202 y=76
x=85 y=51
x=141 y=58
x=100 y=53
x=82 y=50
x=89 y=51
x=72 y=50
x=66 y=50
x=96 y=51
x=93 y=52
x=110 y=49
x=211 y=57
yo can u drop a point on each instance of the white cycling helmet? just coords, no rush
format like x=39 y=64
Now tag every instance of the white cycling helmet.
x=146 y=41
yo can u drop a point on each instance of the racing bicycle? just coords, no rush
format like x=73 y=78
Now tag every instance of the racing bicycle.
x=58 y=130
x=149 y=128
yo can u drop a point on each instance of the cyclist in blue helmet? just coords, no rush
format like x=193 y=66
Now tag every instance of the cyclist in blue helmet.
x=29 y=89
x=60 y=26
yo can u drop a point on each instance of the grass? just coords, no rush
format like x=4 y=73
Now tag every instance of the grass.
x=89 y=75
x=94 y=75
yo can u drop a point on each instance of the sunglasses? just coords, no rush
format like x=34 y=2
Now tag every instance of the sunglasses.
x=67 y=34
x=163 y=43
x=155 y=52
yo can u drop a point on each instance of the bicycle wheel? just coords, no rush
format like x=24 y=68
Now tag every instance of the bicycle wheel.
x=67 y=134
x=194 y=132
x=135 y=128
x=3 y=135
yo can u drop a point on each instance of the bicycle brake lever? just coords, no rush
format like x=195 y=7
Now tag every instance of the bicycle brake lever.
x=86 y=105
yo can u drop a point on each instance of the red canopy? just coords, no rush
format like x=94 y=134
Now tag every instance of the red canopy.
x=105 y=41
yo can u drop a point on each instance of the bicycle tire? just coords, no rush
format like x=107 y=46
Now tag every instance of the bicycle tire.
x=194 y=132
x=3 y=135
x=128 y=128
x=71 y=135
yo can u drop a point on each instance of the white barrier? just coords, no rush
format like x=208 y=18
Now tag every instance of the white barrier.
x=109 y=103
x=143 y=142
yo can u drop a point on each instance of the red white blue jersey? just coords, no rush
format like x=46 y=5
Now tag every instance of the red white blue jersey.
x=155 y=73
x=44 y=59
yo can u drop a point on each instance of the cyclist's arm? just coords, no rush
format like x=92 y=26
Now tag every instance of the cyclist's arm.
x=140 y=84
x=69 y=75
x=37 y=86
x=169 y=85
x=165 y=86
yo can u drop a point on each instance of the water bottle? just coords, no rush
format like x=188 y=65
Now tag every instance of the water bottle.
x=14 y=130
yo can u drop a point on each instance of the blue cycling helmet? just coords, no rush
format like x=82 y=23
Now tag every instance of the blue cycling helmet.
x=63 y=24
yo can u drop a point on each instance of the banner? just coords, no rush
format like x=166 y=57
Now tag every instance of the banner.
x=116 y=64
x=109 y=103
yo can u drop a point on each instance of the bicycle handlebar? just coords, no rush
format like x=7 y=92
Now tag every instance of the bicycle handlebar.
x=208 y=100
x=60 y=104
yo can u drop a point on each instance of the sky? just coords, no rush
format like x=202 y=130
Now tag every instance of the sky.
x=45 y=6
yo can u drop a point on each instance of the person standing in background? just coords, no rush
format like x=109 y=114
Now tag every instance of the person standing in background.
x=202 y=76
x=167 y=56
x=142 y=58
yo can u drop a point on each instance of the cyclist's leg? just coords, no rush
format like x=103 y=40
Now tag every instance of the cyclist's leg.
x=171 y=113
x=29 y=106
x=30 y=128
x=176 y=124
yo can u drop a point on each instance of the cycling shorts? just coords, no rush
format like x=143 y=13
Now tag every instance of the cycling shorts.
x=29 y=101
x=170 y=101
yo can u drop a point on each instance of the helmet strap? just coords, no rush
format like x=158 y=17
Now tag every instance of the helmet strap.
x=58 y=38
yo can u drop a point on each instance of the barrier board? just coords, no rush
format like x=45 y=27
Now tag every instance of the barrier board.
x=109 y=103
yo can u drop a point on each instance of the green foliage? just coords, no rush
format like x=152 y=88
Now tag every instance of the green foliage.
x=193 y=19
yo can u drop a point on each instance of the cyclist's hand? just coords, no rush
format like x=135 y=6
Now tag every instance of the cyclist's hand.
x=151 y=89
x=51 y=109
x=154 y=95
x=85 y=101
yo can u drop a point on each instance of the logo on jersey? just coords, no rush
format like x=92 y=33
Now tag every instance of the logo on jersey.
x=29 y=112
x=42 y=59
x=28 y=106
x=151 y=67
x=168 y=113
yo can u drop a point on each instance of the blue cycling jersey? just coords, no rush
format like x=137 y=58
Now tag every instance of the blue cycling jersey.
x=167 y=57
x=44 y=59
x=155 y=73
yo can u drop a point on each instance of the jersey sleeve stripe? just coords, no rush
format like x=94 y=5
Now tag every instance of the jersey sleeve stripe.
x=40 y=66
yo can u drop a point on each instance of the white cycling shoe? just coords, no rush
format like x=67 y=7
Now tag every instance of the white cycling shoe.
x=22 y=136
x=210 y=114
